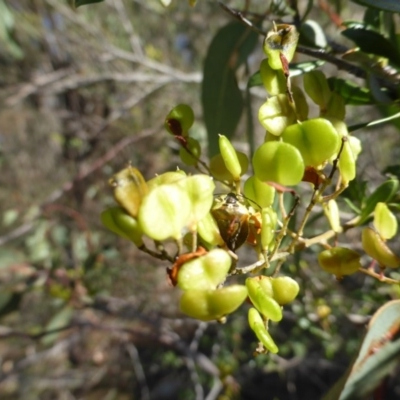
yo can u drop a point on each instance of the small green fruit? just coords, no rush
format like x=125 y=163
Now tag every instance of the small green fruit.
x=268 y=226
x=208 y=305
x=285 y=289
x=206 y=272
x=317 y=87
x=301 y=103
x=118 y=221
x=347 y=164
x=332 y=212
x=274 y=81
x=316 y=139
x=230 y=158
x=179 y=120
x=339 y=261
x=276 y=114
x=278 y=162
x=165 y=178
x=280 y=41
x=385 y=221
x=129 y=189
x=207 y=229
x=165 y=211
x=377 y=249
x=220 y=171
x=261 y=193
x=262 y=300
x=258 y=326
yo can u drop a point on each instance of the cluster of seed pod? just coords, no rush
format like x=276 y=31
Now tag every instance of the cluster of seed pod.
x=208 y=230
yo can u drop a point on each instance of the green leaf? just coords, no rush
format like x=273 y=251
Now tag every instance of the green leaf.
x=382 y=194
x=78 y=3
x=355 y=194
x=386 y=5
x=222 y=99
x=296 y=69
x=391 y=118
x=379 y=353
x=372 y=42
x=352 y=93
x=312 y=34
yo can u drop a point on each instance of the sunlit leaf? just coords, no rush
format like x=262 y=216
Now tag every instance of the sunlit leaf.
x=372 y=42
x=312 y=34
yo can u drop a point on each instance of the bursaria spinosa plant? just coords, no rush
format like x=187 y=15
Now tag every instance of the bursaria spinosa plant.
x=260 y=196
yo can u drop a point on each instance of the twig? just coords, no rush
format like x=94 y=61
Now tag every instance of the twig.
x=194 y=376
x=388 y=79
x=126 y=23
x=139 y=371
x=379 y=277
x=117 y=52
x=201 y=328
x=39 y=82
x=215 y=390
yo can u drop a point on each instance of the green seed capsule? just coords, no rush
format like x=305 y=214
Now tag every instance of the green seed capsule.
x=339 y=261
x=301 y=103
x=205 y=272
x=331 y=211
x=269 y=220
x=316 y=86
x=262 y=300
x=316 y=139
x=129 y=189
x=377 y=249
x=274 y=81
x=121 y=223
x=208 y=305
x=347 y=164
x=276 y=114
x=281 y=40
x=278 y=162
x=261 y=193
x=258 y=326
x=179 y=120
x=207 y=229
x=285 y=289
x=385 y=221
x=218 y=168
x=230 y=157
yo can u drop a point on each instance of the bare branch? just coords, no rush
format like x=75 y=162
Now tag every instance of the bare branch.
x=126 y=23
x=82 y=174
x=139 y=371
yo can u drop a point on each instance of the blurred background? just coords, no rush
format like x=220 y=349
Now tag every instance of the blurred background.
x=85 y=315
